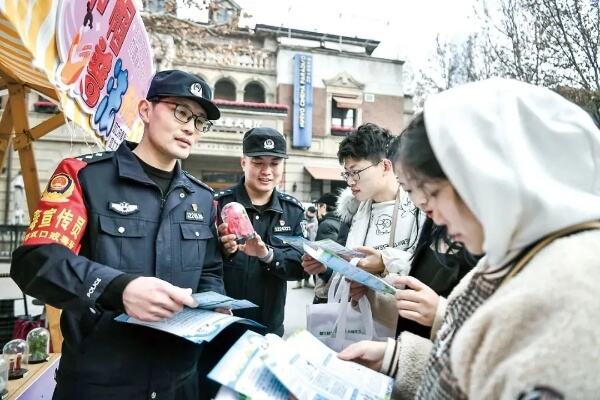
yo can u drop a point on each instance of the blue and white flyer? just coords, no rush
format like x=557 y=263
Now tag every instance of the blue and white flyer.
x=311 y=371
x=349 y=270
x=212 y=300
x=243 y=370
x=193 y=324
x=302 y=368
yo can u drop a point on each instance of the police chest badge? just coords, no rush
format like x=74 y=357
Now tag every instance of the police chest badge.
x=282 y=227
x=269 y=144
x=123 y=208
x=194 y=214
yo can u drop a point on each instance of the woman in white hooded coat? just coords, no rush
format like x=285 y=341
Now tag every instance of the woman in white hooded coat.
x=518 y=177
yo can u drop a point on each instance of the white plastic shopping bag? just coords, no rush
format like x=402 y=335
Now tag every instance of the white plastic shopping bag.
x=336 y=323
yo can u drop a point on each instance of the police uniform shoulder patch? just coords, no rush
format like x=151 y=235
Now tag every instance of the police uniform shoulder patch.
x=198 y=181
x=290 y=199
x=222 y=193
x=95 y=157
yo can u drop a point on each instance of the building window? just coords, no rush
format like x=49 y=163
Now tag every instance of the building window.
x=155 y=5
x=254 y=93
x=225 y=90
x=316 y=189
x=343 y=114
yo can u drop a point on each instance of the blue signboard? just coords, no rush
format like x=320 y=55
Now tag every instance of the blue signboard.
x=303 y=101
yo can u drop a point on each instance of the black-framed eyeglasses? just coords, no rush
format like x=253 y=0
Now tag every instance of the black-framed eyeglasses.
x=355 y=175
x=183 y=114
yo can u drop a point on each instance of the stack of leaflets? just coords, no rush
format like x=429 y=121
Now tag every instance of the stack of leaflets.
x=199 y=324
x=340 y=259
x=267 y=367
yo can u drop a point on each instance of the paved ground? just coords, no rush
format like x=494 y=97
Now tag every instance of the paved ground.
x=295 y=308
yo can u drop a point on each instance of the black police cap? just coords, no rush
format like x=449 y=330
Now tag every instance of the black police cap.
x=264 y=142
x=176 y=83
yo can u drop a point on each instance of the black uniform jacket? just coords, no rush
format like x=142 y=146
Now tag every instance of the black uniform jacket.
x=248 y=277
x=100 y=217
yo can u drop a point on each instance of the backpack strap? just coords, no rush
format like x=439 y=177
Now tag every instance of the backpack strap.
x=394 y=219
x=537 y=247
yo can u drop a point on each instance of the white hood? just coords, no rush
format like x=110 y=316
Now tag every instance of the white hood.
x=525 y=160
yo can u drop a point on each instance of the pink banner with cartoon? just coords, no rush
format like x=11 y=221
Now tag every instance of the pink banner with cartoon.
x=105 y=64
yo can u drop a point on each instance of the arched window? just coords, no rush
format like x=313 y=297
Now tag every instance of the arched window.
x=225 y=90
x=254 y=92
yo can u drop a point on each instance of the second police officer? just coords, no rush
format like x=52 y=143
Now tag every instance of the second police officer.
x=258 y=270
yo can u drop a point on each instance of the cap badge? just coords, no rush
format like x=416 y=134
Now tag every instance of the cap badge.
x=269 y=144
x=196 y=89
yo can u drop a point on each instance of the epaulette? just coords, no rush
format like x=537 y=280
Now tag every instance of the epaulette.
x=291 y=199
x=95 y=157
x=222 y=193
x=198 y=181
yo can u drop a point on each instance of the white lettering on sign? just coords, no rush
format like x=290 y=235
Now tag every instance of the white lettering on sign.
x=244 y=123
x=302 y=92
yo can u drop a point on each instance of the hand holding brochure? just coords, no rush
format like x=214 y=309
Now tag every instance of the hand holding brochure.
x=349 y=270
x=199 y=324
x=267 y=367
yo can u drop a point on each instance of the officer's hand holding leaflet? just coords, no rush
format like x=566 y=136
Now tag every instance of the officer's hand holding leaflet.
x=151 y=299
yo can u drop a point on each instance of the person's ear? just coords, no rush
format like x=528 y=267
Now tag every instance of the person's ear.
x=243 y=163
x=144 y=110
x=387 y=165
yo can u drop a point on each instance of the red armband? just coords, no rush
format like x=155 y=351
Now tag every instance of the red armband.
x=61 y=216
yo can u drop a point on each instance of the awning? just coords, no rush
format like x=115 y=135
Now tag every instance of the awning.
x=347 y=102
x=325 y=173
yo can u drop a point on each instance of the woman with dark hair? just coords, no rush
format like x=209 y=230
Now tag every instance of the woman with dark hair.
x=511 y=170
x=436 y=266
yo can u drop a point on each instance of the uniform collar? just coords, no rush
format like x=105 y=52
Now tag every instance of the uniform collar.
x=242 y=197
x=129 y=167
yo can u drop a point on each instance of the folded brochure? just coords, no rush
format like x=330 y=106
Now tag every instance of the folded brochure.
x=328 y=245
x=212 y=300
x=267 y=367
x=350 y=271
x=199 y=325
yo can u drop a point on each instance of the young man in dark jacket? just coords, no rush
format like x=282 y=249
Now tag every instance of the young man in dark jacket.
x=258 y=270
x=128 y=231
x=329 y=222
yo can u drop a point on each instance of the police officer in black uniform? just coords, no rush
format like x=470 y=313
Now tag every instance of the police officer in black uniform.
x=258 y=270
x=128 y=231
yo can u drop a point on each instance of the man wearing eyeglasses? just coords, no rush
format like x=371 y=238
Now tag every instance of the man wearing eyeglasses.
x=128 y=231
x=384 y=223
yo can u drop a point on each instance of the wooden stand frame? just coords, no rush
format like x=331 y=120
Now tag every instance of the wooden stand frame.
x=15 y=129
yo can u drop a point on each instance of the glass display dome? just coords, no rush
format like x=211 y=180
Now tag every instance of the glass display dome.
x=38 y=341
x=16 y=353
x=3 y=377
